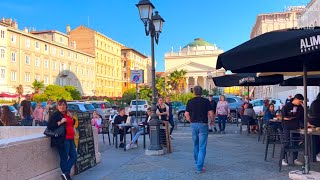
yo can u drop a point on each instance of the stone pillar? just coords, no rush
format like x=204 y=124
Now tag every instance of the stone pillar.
x=187 y=85
x=195 y=80
x=205 y=82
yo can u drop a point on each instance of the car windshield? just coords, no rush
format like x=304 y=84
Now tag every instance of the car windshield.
x=139 y=103
x=89 y=107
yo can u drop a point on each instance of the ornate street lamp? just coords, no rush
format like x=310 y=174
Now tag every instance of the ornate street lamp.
x=153 y=26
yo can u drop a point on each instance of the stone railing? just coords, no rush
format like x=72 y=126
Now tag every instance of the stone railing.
x=26 y=154
x=193 y=53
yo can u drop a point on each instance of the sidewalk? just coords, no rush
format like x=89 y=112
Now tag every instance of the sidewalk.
x=229 y=156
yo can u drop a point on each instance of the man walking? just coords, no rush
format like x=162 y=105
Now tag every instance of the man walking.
x=197 y=111
x=26 y=111
x=168 y=103
x=214 y=107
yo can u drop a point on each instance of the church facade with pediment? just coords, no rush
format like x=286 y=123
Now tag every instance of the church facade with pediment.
x=199 y=59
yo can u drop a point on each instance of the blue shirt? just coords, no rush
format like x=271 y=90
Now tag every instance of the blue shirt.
x=268 y=115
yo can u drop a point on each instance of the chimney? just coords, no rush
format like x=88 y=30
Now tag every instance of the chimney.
x=25 y=30
x=68 y=29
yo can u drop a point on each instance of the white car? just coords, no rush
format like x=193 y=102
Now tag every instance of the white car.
x=258 y=104
x=104 y=109
x=143 y=105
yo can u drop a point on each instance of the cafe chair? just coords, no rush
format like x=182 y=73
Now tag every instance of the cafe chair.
x=105 y=130
x=295 y=144
x=272 y=137
x=245 y=121
x=115 y=132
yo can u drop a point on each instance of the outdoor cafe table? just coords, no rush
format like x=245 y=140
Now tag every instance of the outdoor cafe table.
x=125 y=127
x=311 y=133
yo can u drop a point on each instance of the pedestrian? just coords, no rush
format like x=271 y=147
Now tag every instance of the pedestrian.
x=46 y=112
x=65 y=144
x=289 y=99
x=293 y=116
x=314 y=121
x=7 y=117
x=120 y=119
x=96 y=121
x=246 y=99
x=26 y=111
x=162 y=110
x=168 y=103
x=38 y=116
x=222 y=112
x=266 y=103
x=197 y=112
x=214 y=107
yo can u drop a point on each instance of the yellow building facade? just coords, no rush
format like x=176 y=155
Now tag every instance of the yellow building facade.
x=47 y=56
x=134 y=60
x=108 y=66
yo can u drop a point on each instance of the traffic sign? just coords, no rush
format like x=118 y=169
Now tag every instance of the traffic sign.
x=136 y=76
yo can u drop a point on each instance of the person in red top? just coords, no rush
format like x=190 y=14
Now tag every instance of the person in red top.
x=65 y=145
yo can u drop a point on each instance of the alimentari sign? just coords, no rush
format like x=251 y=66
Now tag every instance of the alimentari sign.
x=311 y=43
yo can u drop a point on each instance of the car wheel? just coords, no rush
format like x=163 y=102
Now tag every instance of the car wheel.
x=232 y=118
x=181 y=117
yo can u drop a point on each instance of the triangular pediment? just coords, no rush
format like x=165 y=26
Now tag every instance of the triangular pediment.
x=192 y=67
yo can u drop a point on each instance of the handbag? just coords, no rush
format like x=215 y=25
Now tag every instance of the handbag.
x=59 y=132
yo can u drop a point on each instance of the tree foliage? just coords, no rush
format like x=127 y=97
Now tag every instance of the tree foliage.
x=19 y=91
x=37 y=86
x=75 y=94
x=56 y=92
x=184 y=98
x=176 y=79
x=130 y=94
x=161 y=86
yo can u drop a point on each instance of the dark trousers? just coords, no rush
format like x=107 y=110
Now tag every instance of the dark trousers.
x=27 y=121
x=171 y=123
x=286 y=133
x=121 y=133
x=222 y=119
x=68 y=156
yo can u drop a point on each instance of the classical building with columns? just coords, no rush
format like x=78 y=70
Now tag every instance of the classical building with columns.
x=199 y=59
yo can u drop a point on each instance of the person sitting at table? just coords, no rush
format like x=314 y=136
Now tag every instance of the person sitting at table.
x=121 y=119
x=314 y=121
x=140 y=131
x=293 y=116
x=250 y=112
x=269 y=113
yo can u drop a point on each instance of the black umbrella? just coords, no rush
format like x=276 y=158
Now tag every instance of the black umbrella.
x=295 y=50
x=230 y=80
x=312 y=80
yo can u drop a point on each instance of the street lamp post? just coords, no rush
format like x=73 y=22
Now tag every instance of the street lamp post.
x=153 y=26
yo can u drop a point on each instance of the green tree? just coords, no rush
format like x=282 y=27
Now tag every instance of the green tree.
x=19 y=91
x=215 y=91
x=37 y=86
x=40 y=97
x=130 y=94
x=75 y=94
x=176 y=78
x=56 y=92
x=161 y=86
x=205 y=92
x=184 y=98
x=145 y=93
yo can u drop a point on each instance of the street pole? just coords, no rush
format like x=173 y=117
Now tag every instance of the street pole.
x=154 y=122
x=136 y=102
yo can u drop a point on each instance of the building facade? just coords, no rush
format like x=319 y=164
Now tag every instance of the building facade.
x=47 y=56
x=108 y=66
x=134 y=60
x=309 y=17
x=272 y=22
x=199 y=59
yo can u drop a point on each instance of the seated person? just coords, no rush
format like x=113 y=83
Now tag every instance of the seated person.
x=120 y=119
x=139 y=131
x=250 y=112
x=314 y=121
x=269 y=113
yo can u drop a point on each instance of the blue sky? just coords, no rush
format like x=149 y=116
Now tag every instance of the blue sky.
x=226 y=23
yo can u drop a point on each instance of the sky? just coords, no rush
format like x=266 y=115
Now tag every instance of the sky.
x=226 y=23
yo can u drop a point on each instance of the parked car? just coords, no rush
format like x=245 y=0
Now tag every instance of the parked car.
x=80 y=106
x=258 y=104
x=143 y=105
x=235 y=103
x=12 y=109
x=103 y=108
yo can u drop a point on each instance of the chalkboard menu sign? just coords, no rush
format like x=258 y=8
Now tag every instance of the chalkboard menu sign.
x=84 y=142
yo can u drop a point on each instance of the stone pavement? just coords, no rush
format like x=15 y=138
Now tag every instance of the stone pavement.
x=229 y=156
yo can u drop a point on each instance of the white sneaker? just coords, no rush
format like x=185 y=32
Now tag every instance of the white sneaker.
x=297 y=162
x=318 y=158
x=284 y=163
x=134 y=146
x=128 y=146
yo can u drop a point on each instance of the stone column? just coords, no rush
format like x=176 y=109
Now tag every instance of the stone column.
x=205 y=82
x=187 y=85
x=195 y=80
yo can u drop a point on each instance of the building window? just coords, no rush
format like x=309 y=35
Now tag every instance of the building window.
x=27 y=43
x=46 y=80
x=2 y=73
x=54 y=66
x=28 y=60
x=97 y=42
x=76 y=55
x=2 y=53
x=61 y=52
x=13 y=57
x=13 y=38
x=61 y=39
x=37 y=63
x=37 y=45
x=46 y=63
x=27 y=77
x=37 y=77
x=2 y=34
x=13 y=76
x=46 y=47
x=54 y=50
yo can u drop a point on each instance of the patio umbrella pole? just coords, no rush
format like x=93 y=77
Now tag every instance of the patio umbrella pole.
x=306 y=167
